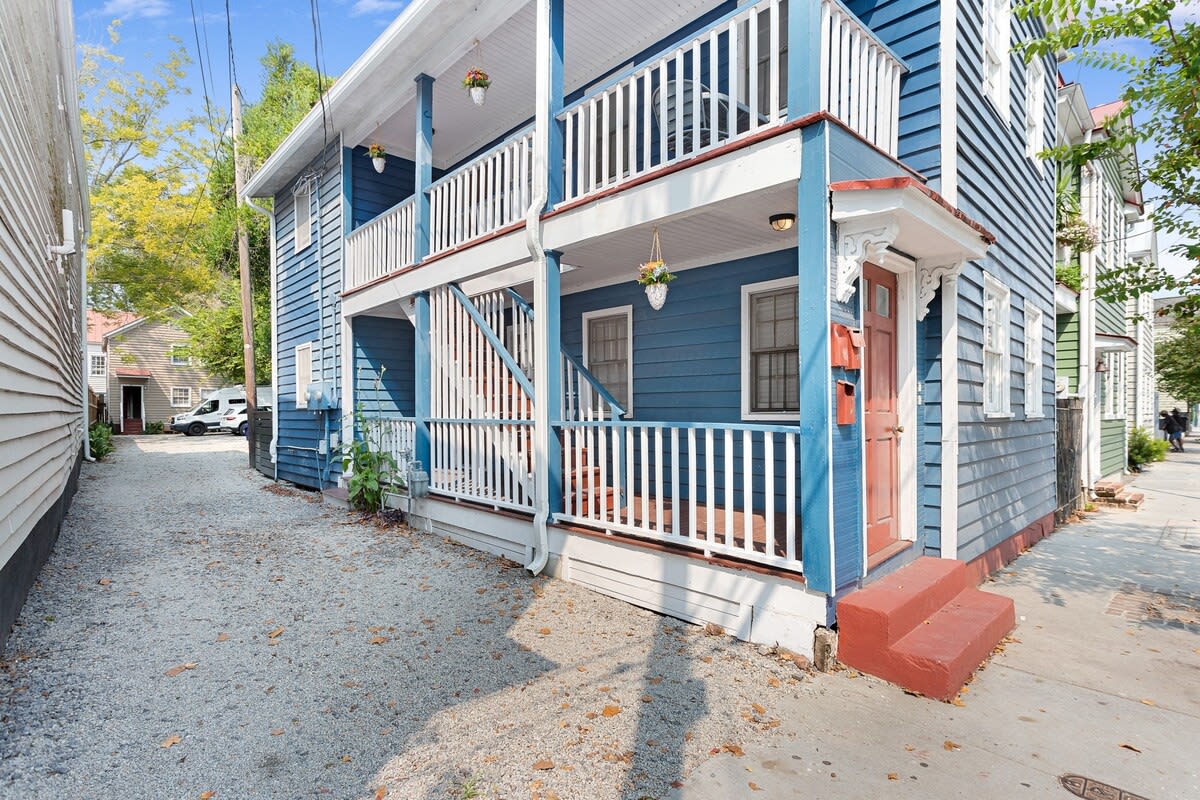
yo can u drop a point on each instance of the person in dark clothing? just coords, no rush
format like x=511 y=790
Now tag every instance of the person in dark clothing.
x=1181 y=420
x=1174 y=433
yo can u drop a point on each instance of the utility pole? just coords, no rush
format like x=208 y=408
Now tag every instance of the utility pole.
x=239 y=180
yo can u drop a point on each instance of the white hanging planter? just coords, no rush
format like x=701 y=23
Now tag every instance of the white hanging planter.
x=379 y=162
x=478 y=94
x=656 y=293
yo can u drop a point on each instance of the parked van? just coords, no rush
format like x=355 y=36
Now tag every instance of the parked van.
x=213 y=409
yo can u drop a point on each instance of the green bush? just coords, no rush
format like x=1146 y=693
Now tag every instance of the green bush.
x=100 y=440
x=1144 y=448
x=155 y=427
x=373 y=470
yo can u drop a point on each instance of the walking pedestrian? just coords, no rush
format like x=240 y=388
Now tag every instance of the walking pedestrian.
x=1163 y=418
x=1181 y=421
x=1174 y=433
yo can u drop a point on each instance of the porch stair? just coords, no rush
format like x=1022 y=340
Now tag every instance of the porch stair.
x=924 y=627
x=1116 y=495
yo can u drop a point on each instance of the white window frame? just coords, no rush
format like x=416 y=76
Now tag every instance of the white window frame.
x=304 y=370
x=1035 y=110
x=996 y=51
x=614 y=311
x=1112 y=386
x=93 y=360
x=185 y=403
x=748 y=291
x=177 y=360
x=302 y=217
x=1034 y=342
x=997 y=361
x=205 y=391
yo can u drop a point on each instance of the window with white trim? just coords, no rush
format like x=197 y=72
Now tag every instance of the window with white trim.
x=1112 y=385
x=1035 y=110
x=179 y=356
x=181 y=396
x=304 y=373
x=997 y=37
x=97 y=365
x=1034 y=401
x=607 y=351
x=303 y=216
x=996 y=338
x=770 y=350
x=205 y=391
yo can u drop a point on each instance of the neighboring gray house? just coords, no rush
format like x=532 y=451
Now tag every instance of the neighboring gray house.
x=150 y=376
x=43 y=205
x=99 y=324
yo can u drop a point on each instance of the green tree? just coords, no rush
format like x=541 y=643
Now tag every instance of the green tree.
x=290 y=90
x=147 y=177
x=1161 y=80
x=1176 y=362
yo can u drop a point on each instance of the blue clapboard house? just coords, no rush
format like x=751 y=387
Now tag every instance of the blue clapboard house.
x=852 y=370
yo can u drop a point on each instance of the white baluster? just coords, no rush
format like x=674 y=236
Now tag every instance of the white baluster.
x=676 y=505
x=748 y=491
x=769 y=490
x=710 y=490
x=730 y=488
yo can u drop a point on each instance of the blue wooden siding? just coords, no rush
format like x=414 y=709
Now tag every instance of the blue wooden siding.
x=911 y=30
x=305 y=315
x=1006 y=466
x=375 y=192
x=381 y=342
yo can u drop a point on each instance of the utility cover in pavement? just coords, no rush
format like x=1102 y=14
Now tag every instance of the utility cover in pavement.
x=1095 y=790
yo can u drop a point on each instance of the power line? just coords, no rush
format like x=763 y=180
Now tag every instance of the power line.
x=318 y=59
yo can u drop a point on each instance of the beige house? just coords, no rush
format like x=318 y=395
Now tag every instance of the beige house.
x=150 y=376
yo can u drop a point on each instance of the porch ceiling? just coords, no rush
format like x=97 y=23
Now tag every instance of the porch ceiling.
x=600 y=38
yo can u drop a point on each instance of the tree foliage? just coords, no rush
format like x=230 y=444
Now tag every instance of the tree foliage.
x=1176 y=362
x=1156 y=51
x=147 y=177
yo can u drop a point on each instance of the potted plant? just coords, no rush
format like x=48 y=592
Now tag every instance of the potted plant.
x=477 y=82
x=378 y=156
x=654 y=275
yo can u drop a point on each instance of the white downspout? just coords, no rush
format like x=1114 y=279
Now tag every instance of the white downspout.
x=83 y=310
x=274 y=327
x=1087 y=332
x=533 y=239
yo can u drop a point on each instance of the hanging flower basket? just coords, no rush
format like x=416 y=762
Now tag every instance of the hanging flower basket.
x=378 y=156
x=477 y=82
x=655 y=276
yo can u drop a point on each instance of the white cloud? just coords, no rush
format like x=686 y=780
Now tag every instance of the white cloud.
x=1188 y=11
x=129 y=9
x=363 y=7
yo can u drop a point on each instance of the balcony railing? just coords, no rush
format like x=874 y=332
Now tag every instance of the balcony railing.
x=384 y=244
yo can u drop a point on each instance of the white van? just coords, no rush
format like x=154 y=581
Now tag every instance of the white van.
x=208 y=415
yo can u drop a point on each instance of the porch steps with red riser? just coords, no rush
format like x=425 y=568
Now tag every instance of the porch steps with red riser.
x=923 y=627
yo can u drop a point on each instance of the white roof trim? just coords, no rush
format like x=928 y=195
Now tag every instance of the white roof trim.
x=1066 y=300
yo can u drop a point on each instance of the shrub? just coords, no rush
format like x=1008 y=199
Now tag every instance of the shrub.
x=100 y=440
x=372 y=470
x=1144 y=448
x=155 y=427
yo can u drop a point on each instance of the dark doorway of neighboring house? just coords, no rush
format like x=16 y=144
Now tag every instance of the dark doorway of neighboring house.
x=131 y=409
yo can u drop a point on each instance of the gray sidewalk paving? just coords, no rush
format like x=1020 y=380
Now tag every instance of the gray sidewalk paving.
x=1101 y=679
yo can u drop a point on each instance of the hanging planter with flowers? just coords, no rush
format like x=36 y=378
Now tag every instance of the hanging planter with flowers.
x=655 y=276
x=378 y=156
x=477 y=82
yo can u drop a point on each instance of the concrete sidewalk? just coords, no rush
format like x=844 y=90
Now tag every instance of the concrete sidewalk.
x=1101 y=680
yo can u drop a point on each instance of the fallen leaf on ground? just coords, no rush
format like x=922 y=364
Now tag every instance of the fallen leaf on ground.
x=958 y=701
x=277 y=731
x=730 y=747
x=1146 y=701
x=1129 y=747
x=544 y=631
x=208 y=795
x=381 y=793
x=275 y=634
x=378 y=639
x=893 y=776
x=179 y=670
x=544 y=764
x=676 y=784
x=104 y=581
x=758 y=709
x=713 y=629
x=346 y=759
x=173 y=740
x=773 y=683
x=949 y=745
x=222 y=637
x=611 y=711
x=754 y=787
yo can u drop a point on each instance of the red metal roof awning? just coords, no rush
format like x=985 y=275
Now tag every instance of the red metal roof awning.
x=132 y=373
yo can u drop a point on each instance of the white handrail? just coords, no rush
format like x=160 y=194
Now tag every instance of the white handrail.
x=380 y=246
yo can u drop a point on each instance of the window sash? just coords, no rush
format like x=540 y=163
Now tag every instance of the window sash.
x=608 y=354
x=97 y=366
x=1034 y=342
x=302 y=233
x=304 y=373
x=774 y=351
x=181 y=396
x=996 y=374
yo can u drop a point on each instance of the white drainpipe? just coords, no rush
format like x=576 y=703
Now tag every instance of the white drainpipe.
x=83 y=310
x=533 y=239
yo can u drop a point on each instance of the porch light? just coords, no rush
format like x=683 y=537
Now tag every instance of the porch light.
x=1101 y=367
x=782 y=222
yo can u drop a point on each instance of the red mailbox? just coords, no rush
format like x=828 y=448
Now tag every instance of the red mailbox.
x=844 y=345
x=846 y=412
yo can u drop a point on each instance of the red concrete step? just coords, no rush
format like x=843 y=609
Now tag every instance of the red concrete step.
x=937 y=658
x=923 y=627
x=880 y=614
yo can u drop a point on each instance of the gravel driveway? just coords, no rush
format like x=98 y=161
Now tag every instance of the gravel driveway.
x=201 y=632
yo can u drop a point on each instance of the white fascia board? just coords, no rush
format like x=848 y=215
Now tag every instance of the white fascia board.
x=1108 y=342
x=933 y=231
x=1066 y=300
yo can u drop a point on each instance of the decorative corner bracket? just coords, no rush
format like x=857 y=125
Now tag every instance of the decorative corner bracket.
x=858 y=243
x=930 y=272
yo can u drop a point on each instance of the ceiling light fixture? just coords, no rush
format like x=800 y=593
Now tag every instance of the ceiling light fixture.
x=782 y=222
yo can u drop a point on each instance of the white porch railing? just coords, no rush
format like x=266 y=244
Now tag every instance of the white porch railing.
x=729 y=489
x=487 y=194
x=382 y=245
x=396 y=436
x=723 y=84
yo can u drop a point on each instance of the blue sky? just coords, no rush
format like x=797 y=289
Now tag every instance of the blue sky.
x=348 y=27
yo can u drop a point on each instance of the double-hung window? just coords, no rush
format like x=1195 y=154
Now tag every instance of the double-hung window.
x=1033 y=363
x=996 y=339
x=179 y=356
x=304 y=373
x=997 y=33
x=607 y=352
x=303 y=216
x=1035 y=110
x=98 y=365
x=181 y=396
x=1112 y=385
x=770 y=350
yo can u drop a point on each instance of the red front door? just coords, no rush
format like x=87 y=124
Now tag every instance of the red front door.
x=880 y=421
